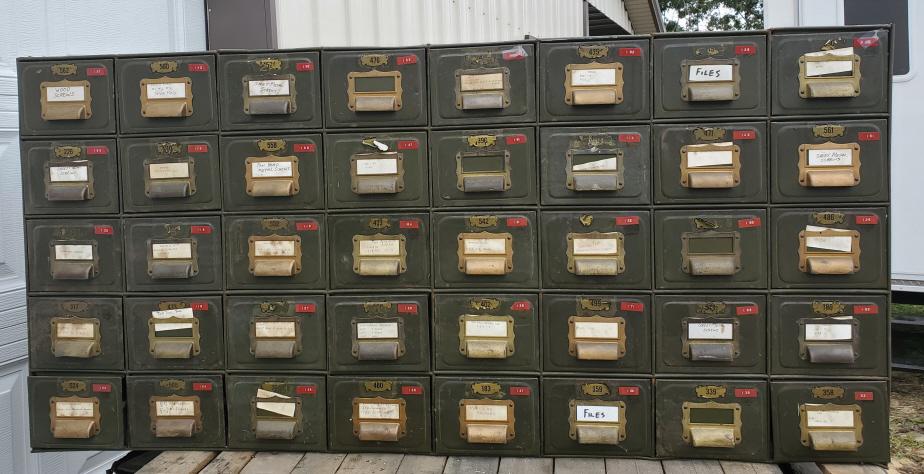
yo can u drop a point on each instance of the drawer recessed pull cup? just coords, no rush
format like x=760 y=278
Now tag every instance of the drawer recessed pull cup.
x=275 y=337
x=711 y=424
x=829 y=251
x=594 y=84
x=828 y=165
x=829 y=340
x=479 y=89
x=710 y=166
x=485 y=253
x=596 y=337
x=828 y=75
x=711 y=253
x=597 y=422
x=75 y=337
x=594 y=170
x=175 y=416
x=73 y=260
x=170 y=259
x=74 y=417
x=379 y=419
x=275 y=417
x=831 y=427
x=485 y=421
x=271 y=176
x=596 y=253
x=274 y=255
x=269 y=95
x=65 y=100
x=169 y=179
x=709 y=80
x=69 y=180
x=486 y=336
x=483 y=172
x=374 y=91
x=166 y=97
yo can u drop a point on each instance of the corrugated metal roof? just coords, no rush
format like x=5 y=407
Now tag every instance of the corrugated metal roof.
x=616 y=11
x=313 y=23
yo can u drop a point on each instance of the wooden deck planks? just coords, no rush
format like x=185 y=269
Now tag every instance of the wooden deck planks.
x=471 y=465
x=580 y=466
x=734 y=467
x=319 y=463
x=273 y=463
x=419 y=464
x=526 y=466
x=633 y=466
x=691 y=466
x=228 y=462
x=385 y=463
x=178 y=462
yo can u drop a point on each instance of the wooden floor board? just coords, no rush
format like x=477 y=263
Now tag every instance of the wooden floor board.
x=385 y=463
x=735 y=467
x=319 y=463
x=471 y=465
x=580 y=466
x=417 y=464
x=178 y=462
x=273 y=463
x=633 y=466
x=691 y=466
x=526 y=466
x=228 y=462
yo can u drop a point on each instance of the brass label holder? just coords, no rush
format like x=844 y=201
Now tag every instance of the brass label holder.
x=275 y=337
x=596 y=337
x=483 y=88
x=269 y=95
x=170 y=261
x=603 y=171
x=711 y=253
x=594 y=83
x=705 y=88
x=831 y=427
x=485 y=253
x=474 y=172
x=813 y=87
x=816 y=261
x=175 y=416
x=485 y=421
x=597 y=421
x=70 y=337
x=271 y=176
x=65 y=102
x=831 y=167
x=379 y=418
x=596 y=253
x=379 y=255
x=711 y=424
x=374 y=97
x=274 y=255
x=172 y=105
x=74 y=417
x=483 y=336
x=708 y=174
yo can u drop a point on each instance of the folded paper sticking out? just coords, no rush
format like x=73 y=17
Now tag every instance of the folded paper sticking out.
x=840 y=63
x=834 y=243
x=700 y=159
x=603 y=164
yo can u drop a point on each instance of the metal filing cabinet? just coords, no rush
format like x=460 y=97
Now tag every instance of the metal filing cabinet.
x=594 y=79
x=271 y=90
x=715 y=334
x=82 y=255
x=596 y=250
x=477 y=250
x=486 y=416
x=173 y=254
x=715 y=75
x=276 y=252
x=826 y=334
x=75 y=333
x=376 y=414
x=167 y=94
x=274 y=412
x=273 y=172
x=830 y=161
x=378 y=333
x=167 y=174
x=76 y=411
x=831 y=421
x=375 y=88
x=380 y=251
x=597 y=417
x=169 y=333
x=839 y=70
x=384 y=170
x=600 y=333
x=491 y=83
x=830 y=247
x=486 y=333
x=176 y=411
x=70 y=176
x=717 y=419
x=710 y=249
x=66 y=97
x=484 y=167
x=595 y=166
x=714 y=163
x=280 y=332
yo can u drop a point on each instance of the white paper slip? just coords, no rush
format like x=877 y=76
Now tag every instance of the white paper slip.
x=379 y=411
x=595 y=246
x=380 y=248
x=274 y=329
x=175 y=408
x=269 y=394
x=64 y=94
x=485 y=246
x=172 y=251
x=486 y=412
x=183 y=313
x=710 y=72
x=268 y=88
x=712 y=331
x=847 y=52
x=836 y=243
x=371 y=166
x=271 y=169
x=828 y=332
x=825 y=68
x=73 y=252
x=167 y=90
x=168 y=170
x=698 y=158
x=829 y=418
x=274 y=248
x=286 y=409
x=596 y=413
x=164 y=327
x=481 y=82
x=75 y=330
x=593 y=77
x=604 y=164
x=376 y=330
x=74 y=409
x=67 y=174
x=596 y=330
x=832 y=157
x=486 y=328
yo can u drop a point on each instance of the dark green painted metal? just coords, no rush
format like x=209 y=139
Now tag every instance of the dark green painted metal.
x=414 y=391
x=200 y=69
x=872 y=398
x=416 y=231
x=105 y=234
x=243 y=312
x=636 y=417
x=106 y=389
x=631 y=53
x=448 y=327
x=865 y=355
x=739 y=347
x=205 y=232
x=208 y=388
x=101 y=167
x=236 y=70
x=449 y=147
x=607 y=142
x=310 y=420
x=199 y=152
x=106 y=312
x=97 y=72
x=207 y=310
x=309 y=228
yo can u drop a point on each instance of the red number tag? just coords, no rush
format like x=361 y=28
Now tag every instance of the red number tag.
x=517 y=139
x=305 y=308
x=868 y=136
x=411 y=390
x=865 y=309
x=306 y=225
x=103 y=230
x=98 y=150
x=408 y=145
x=629 y=391
x=199 y=305
x=521 y=306
x=627 y=220
x=406 y=59
x=306 y=389
x=747 y=309
x=749 y=222
x=871 y=219
x=867 y=42
x=96 y=71
x=409 y=224
x=863 y=396
x=745 y=393
x=744 y=135
x=200 y=229
x=407 y=308
x=632 y=306
x=198 y=148
x=517 y=222
x=198 y=67
x=520 y=391
x=745 y=50
x=630 y=138
x=624 y=52
x=306 y=66
x=101 y=388
x=304 y=147
x=202 y=386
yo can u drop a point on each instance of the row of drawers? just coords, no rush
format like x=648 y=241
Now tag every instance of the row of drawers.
x=695 y=249
x=686 y=164
x=830 y=420
x=821 y=334
x=704 y=75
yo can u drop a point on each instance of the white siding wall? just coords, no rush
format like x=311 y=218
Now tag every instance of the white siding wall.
x=313 y=23
x=59 y=28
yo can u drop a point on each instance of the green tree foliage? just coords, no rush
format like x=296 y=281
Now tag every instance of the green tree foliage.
x=712 y=15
